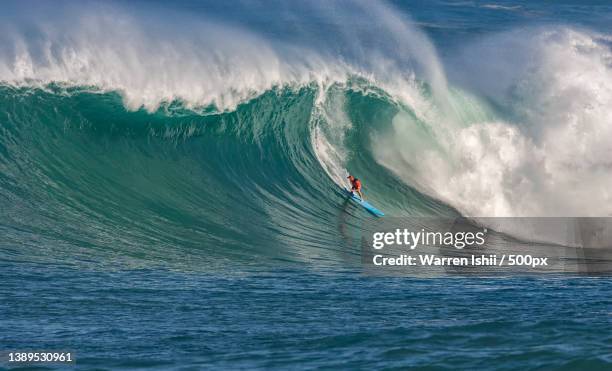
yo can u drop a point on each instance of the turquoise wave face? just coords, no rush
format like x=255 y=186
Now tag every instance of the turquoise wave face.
x=86 y=176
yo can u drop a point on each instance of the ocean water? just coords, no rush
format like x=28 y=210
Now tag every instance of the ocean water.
x=169 y=179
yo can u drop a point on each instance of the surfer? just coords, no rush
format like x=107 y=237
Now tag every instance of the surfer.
x=356 y=186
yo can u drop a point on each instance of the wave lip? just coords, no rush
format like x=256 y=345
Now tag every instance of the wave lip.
x=152 y=58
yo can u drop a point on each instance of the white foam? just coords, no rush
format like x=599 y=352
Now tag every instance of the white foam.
x=329 y=126
x=552 y=153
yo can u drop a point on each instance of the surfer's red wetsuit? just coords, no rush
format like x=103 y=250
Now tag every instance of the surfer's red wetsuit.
x=355 y=185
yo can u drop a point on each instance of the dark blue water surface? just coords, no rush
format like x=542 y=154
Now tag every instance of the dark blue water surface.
x=301 y=319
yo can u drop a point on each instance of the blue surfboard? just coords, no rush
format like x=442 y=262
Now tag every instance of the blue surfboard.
x=366 y=205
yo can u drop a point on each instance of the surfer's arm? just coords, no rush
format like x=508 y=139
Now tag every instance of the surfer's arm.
x=360 y=194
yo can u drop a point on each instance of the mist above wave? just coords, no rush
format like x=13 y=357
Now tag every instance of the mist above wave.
x=156 y=55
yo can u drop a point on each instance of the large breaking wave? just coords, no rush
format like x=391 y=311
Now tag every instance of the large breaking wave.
x=143 y=131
